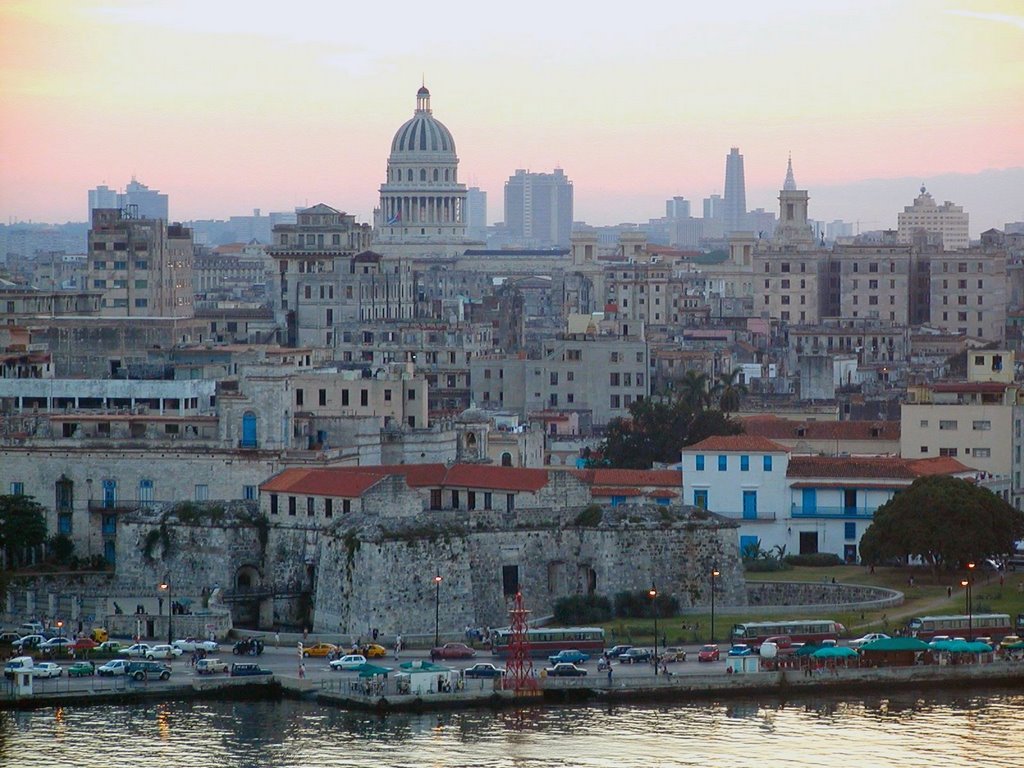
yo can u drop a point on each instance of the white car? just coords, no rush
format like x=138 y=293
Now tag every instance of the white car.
x=113 y=667
x=163 y=652
x=137 y=651
x=870 y=637
x=210 y=666
x=54 y=644
x=47 y=669
x=190 y=644
x=28 y=641
x=350 y=661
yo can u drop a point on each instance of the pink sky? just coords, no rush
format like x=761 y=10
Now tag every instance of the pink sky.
x=285 y=105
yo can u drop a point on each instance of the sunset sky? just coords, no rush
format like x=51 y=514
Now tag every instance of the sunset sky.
x=230 y=106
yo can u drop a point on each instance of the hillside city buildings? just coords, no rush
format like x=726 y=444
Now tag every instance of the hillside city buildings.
x=146 y=362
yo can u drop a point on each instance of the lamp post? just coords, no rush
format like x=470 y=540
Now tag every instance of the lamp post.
x=437 y=609
x=654 y=607
x=167 y=585
x=60 y=628
x=714 y=575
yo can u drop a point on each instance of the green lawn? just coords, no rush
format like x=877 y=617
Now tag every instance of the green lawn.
x=928 y=595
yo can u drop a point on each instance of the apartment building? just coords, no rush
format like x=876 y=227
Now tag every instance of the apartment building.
x=969 y=292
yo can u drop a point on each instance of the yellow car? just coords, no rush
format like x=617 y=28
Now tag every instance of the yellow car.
x=374 y=651
x=320 y=649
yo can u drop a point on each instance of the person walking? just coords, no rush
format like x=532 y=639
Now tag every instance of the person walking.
x=609 y=674
x=277 y=639
x=302 y=671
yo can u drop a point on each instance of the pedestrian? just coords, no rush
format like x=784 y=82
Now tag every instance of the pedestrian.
x=609 y=674
x=305 y=634
x=949 y=591
x=398 y=642
x=397 y=649
x=302 y=671
x=277 y=639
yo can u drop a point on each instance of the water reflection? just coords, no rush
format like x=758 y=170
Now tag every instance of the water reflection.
x=894 y=730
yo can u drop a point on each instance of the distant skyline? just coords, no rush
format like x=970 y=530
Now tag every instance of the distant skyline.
x=276 y=106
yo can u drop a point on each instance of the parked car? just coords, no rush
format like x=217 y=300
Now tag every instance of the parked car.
x=136 y=651
x=147 y=670
x=483 y=669
x=248 y=669
x=348 y=661
x=374 y=651
x=31 y=628
x=708 y=653
x=870 y=637
x=8 y=636
x=617 y=650
x=18 y=664
x=250 y=646
x=452 y=651
x=109 y=646
x=166 y=652
x=113 y=667
x=635 y=656
x=192 y=644
x=673 y=653
x=211 y=666
x=565 y=669
x=571 y=656
x=784 y=644
x=1008 y=640
x=740 y=649
x=319 y=650
x=47 y=669
x=28 y=642
x=82 y=669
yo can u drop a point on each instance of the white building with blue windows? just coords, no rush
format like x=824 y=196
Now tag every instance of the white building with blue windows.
x=806 y=504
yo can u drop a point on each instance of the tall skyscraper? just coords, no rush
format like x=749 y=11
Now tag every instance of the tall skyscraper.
x=714 y=217
x=948 y=220
x=102 y=197
x=538 y=208
x=677 y=208
x=735 y=192
x=149 y=203
x=476 y=213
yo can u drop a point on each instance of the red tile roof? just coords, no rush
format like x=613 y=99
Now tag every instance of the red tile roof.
x=498 y=478
x=775 y=428
x=323 y=482
x=879 y=467
x=670 y=478
x=984 y=387
x=737 y=443
x=612 y=491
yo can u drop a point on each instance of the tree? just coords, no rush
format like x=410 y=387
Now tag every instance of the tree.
x=729 y=389
x=656 y=431
x=944 y=521
x=22 y=526
x=693 y=390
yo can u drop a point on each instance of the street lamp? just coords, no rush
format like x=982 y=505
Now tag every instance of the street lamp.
x=654 y=607
x=437 y=609
x=966 y=584
x=167 y=586
x=714 y=575
x=60 y=628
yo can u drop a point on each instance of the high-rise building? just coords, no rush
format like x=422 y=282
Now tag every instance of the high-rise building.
x=677 y=208
x=538 y=208
x=948 y=220
x=735 y=211
x=422 y=204
x=145 y=203
x=102 y=197
x=476 y=213
x=143 y=266
x=714 y=217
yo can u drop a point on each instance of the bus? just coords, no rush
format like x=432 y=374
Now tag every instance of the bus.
x=994 y=625
x=547 y=641
x=803 y=631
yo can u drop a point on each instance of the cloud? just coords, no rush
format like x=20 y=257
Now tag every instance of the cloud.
x=1000 y=18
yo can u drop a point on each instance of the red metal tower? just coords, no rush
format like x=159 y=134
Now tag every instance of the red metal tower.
x=519 y=669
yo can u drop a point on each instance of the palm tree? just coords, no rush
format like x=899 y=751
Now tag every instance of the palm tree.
x=729 y=389
x=694 y=391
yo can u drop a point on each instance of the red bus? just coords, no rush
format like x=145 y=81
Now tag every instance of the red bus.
x=994 y=625
x=803 y=631
x=547 y=641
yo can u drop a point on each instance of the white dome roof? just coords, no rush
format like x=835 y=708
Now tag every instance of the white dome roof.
x=423 y=134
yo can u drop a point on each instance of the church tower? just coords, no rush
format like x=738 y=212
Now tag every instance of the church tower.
x=793 y=227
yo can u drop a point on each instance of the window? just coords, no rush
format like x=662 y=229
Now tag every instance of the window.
x=948 y=452
x=982 y=453
x=982 y=426
x=487 y=499
x=328 y=507
x=700 y=462
x=273 y=503
x=947 y=424
x=291 y=506
x=510 y=502
x=850 y=531
x=723 y=463
x=202 y=492
x=364 y=397
x=249 y=492
x=767 y=465
x=323 y=397
x=346 y=506
x=299 y=396
x=924 y=449
x=412 y=394
x=924 y=423
x=744 y=463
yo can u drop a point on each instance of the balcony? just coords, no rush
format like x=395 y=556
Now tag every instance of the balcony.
x=119 y=505
x=828 y=513
x=762 y=516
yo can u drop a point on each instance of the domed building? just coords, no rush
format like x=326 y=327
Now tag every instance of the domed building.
x=422 y=204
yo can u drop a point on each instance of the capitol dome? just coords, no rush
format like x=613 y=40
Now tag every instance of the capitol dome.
x=423 y=133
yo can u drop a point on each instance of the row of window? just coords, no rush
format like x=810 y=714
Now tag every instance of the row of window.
x=364 y=397
x=978 y=453
x=311 y=506
x=981 y=425
x=723 y=463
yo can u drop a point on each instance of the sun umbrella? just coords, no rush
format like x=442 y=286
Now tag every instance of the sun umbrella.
x=889 y=644
x=977 y=646
x=372 y=670
x=834 y=652
x=1019 y=645
x=83 y=644
x=807 y=649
